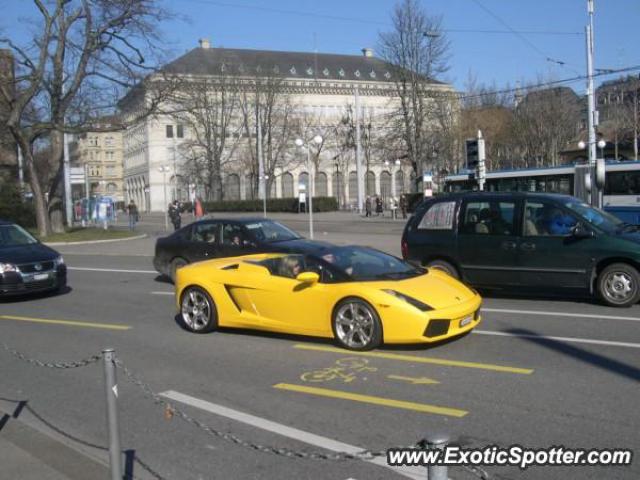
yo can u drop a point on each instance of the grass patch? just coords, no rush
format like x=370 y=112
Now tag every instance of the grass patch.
x=80 y=234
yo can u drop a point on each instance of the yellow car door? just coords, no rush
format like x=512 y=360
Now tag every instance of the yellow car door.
x=287 y=305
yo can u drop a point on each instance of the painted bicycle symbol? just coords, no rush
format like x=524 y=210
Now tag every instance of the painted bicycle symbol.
x=345 y=369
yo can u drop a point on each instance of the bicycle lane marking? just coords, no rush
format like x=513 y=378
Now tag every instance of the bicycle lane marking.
x=420 y=359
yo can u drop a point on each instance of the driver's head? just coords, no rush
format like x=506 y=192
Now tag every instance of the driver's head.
x=292 y=266
x=329 y=258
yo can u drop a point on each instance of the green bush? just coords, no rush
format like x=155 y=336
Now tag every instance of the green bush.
x=320 y=204
x=14 y=208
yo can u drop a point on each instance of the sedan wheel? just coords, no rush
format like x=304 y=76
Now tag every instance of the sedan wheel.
x=619 y=285
x=176 y=264
x=197 y=310
x=356 y=325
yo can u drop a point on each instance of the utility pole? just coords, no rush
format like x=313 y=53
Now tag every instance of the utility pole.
x=482 y=171
x=592 y=119
x=359 y=154
x=67 y=180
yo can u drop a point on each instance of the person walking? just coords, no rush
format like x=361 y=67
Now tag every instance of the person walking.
x=198 y=210
x=174 y=214
x=132 y=210
x=379 y=209
x=367 y=207
x=403 y=205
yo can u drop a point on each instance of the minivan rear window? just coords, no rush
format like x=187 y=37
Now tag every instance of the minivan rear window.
x=438 y=216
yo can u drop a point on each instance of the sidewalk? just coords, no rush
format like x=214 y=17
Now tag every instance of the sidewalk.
x=30 y=454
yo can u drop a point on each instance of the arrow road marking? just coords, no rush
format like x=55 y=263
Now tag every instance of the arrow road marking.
x=415 y=380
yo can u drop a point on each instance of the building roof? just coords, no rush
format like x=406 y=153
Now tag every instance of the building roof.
x=302 y=65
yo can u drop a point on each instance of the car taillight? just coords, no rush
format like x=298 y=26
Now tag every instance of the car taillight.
x=405 y=249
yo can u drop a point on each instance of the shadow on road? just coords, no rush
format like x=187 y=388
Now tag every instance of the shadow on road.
x=595 y=359
x=35 y=296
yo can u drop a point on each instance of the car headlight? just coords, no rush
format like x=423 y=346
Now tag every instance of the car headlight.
x=410 y=300
x=8 y=267
x=59 y=261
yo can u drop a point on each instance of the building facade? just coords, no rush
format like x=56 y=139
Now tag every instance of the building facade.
x=320 y=92
x=101 y=154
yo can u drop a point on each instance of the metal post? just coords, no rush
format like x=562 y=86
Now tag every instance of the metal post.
x=166 y=211
x=360 y=182
x=175 y=172
x=481 y=162
x=437 y=441
x=87 y=194
x=592 y=119
x=310 y=192
x=262 y=187
x=111 y=389
x=67 y=181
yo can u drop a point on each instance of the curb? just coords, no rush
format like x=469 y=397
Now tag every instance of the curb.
x=88 y=242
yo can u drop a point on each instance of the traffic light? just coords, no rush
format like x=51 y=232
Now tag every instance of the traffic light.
x=472 y=153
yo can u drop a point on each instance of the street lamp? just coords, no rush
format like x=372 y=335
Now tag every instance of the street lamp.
x=164 y=169
x=301 y=143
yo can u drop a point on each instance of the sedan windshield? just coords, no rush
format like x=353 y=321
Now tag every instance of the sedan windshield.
x=596 y=217
x=269 y=232
x=367 y=264
x=14 y=236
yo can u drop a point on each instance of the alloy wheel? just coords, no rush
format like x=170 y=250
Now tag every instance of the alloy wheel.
x=196 y=310
x=355 y=324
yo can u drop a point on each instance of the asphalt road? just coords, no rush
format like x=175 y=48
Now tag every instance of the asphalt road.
x=537 y=372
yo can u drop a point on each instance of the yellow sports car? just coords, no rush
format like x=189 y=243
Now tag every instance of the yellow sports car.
x=359 y=296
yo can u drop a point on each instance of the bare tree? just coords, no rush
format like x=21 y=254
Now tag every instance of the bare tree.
x=263 y=101
x=419 y=50
x=210 y=109
x=83 y=56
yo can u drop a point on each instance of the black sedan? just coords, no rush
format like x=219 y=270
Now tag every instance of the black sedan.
x=217 y=238
x=26 y=265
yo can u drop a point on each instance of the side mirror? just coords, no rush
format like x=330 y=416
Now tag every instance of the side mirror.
x=580 y=231
x=308 y=277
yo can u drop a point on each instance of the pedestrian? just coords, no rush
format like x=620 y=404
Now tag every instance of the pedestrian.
x=175 y=214
x=199 y=212
x=403 y=205
x=367 y=207
x=379 y=209
x=132 y=210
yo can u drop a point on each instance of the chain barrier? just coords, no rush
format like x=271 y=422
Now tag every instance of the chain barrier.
x=171 y=410
x=61 y=365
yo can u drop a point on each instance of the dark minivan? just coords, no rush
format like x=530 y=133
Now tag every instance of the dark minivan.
x=527 y=240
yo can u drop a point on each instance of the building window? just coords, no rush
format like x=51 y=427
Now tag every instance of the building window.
x=109 y=155
x=169 y=131
x=108 y=142
x=180 y=131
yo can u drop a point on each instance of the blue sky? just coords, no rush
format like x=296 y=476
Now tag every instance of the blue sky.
x=346 y=26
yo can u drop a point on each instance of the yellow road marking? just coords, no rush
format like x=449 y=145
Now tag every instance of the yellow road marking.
x=415 y=380
x=417 y=359
x=70 y=323
x=387 y=402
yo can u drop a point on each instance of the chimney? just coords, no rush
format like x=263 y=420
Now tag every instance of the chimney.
x=367 y=52
x=204 y=43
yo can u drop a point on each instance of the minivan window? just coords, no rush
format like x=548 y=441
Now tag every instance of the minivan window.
x=546 y=219
x=594 y=216
x=489 y=218
x=438 y=216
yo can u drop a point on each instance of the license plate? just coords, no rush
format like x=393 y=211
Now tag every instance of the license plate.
x=466 y=320
x=40 y=276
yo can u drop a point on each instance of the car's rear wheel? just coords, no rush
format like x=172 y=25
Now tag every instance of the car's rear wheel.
x=176 y=264
x=445 y=266
x=198 y=311
x=619 y=285
x=356 y=324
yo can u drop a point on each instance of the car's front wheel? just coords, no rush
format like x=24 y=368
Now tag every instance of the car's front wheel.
x=356 y=324
x=176 y=264
x=198 y=311
x=444 y=266
x=619 y=285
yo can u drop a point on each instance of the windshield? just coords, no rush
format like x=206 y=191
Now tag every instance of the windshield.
x=13 y=236
x=269 y=232
x=594 y=216
x=367 y=264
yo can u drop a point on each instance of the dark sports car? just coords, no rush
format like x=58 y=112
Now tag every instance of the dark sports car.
x=26 y=265
x=218 y=238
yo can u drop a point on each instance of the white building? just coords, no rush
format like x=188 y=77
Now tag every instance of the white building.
x=319 y=85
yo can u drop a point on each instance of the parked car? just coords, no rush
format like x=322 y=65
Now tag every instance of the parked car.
x=359 y=296
x=26 y=265
x=217 y=238
x=531 y=242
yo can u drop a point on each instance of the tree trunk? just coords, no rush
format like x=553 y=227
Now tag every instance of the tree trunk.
x=56 y=194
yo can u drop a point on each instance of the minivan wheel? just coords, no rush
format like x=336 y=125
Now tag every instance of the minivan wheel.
x=619 y=285
x=445 y=266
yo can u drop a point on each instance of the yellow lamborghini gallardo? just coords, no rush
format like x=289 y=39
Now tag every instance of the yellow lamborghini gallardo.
x=359 y=296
